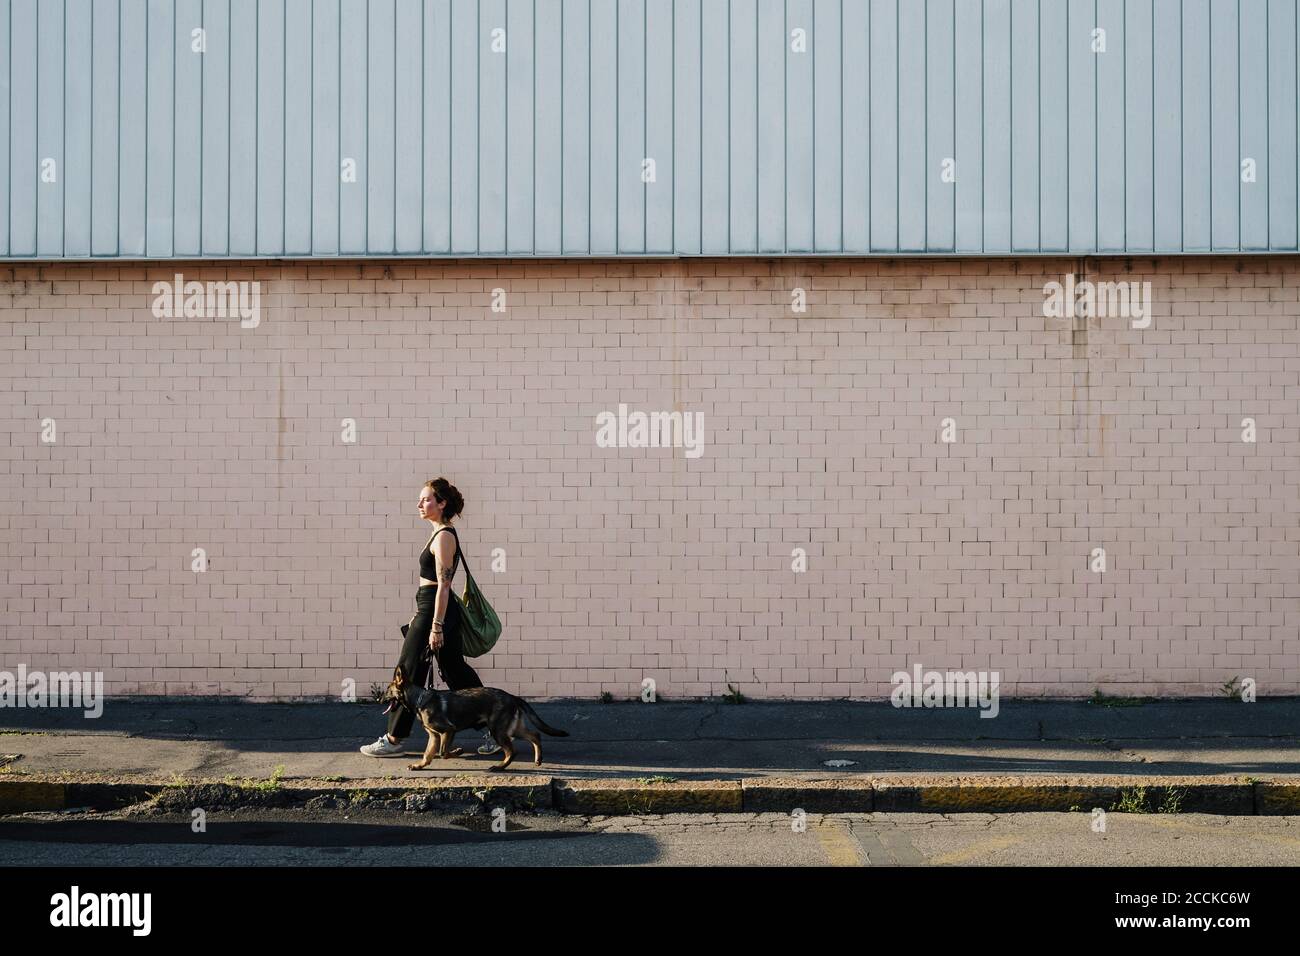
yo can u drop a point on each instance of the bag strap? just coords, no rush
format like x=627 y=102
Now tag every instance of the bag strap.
x=459 y=551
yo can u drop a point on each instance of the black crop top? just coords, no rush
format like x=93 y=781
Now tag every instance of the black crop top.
x=429 y=565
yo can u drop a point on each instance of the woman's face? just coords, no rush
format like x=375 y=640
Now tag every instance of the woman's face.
x=430 y=507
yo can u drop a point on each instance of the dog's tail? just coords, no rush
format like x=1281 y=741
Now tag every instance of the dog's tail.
x=540 y=724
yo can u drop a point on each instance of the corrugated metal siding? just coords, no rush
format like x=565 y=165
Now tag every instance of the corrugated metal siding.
x=159 y=151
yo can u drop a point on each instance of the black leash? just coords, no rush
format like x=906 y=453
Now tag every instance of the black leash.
x=428 y=674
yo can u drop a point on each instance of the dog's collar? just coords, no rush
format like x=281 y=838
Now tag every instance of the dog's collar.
x=425 y=694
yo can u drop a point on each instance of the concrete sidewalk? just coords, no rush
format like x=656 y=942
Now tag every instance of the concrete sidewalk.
x=1215 y=755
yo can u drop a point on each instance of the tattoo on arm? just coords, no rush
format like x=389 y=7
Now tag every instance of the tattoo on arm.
x=446 y=563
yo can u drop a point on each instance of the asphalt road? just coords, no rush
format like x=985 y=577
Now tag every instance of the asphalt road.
x=295 y=838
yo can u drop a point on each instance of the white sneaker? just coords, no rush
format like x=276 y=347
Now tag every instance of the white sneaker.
x=489 y=746
x=382 y=748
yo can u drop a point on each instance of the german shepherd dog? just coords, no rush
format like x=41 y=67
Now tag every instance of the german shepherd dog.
x=444 y=712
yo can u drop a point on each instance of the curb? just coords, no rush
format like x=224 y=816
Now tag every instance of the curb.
x=898 y=793
x=525 y=793
x=617 y=797
x=1187 y=795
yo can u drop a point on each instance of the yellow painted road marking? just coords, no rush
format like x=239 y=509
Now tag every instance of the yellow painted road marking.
x=1168 y=822
x=976 y=849
x=840 y=848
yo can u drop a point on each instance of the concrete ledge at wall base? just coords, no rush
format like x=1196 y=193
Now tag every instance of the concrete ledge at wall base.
x=885 y=793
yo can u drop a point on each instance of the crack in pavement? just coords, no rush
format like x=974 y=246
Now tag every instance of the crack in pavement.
x=700 y=725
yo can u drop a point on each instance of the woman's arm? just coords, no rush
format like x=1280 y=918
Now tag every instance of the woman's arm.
x=444 y=553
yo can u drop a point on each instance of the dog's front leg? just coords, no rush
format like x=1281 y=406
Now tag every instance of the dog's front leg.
x=428 y=752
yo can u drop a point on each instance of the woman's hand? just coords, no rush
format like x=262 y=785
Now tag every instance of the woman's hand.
x=435 y=641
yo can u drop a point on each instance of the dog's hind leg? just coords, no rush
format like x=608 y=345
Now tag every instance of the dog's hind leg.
x=446 y=749
x=508 y=748
x=535 y=739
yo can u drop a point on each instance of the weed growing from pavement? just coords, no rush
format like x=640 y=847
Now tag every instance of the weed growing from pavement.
x=1231 y=688
x=1104 y=700
x=272 y=783
x=1135 y=801
x=733 y=696
x=606 y=697
x=1173 y=802
x=1131 y=801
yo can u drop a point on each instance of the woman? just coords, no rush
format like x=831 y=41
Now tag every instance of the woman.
x=437 y=618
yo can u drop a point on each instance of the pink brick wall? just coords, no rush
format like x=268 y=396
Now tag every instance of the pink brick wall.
x=822 y=432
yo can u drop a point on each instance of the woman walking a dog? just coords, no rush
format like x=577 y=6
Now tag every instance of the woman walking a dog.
x=436 y=624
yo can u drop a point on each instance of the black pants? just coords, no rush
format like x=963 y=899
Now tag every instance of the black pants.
x=452 y=668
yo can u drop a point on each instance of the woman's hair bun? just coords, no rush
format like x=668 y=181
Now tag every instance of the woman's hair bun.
x=454 y=504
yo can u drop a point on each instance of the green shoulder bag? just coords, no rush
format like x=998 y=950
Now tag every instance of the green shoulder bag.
x=480 y=627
